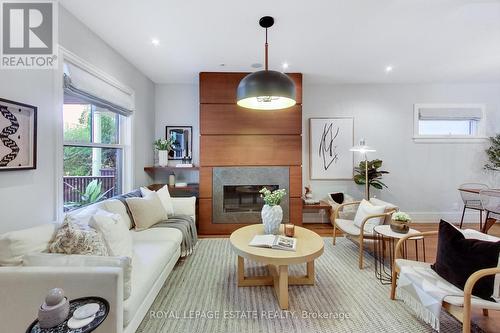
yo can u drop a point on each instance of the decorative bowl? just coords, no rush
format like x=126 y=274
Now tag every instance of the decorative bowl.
x=401 y=227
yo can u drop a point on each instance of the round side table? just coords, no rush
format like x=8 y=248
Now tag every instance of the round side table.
x=73 y=305
x=385 y=238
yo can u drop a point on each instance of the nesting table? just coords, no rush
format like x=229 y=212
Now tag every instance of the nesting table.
x=385 y=238
x=309 y=247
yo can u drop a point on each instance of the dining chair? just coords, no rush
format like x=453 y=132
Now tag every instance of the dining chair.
x=490 y=201
x=472 y=200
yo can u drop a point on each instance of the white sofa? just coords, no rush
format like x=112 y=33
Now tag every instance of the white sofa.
x=156 y=251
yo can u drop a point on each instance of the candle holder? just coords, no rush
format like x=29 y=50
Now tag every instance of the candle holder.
x=289 y=230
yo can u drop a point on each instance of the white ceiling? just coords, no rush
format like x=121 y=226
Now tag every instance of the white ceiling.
x=330 y=41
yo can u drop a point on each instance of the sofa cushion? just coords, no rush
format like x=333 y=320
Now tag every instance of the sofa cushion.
x=458 y=258
x=118 y=207
x=55 y=259
x=150 y=259
x=348 y=227
x=15 y=244
x=147 y=211
x=157 y=234
x=164 y=195
x=114 y=231
x=74 y=238
x=364 y=210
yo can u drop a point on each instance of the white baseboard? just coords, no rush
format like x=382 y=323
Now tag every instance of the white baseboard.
x=417 y=217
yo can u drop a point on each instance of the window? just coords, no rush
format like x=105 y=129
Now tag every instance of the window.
x=448 y=122
x=93 y=153
x=96 y=136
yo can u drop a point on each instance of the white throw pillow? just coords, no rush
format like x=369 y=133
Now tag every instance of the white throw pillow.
x=115 y=233
x=15 y=244
x=164 y=195
x=146 y=211
x=56 y=259
x=365 y=209
x=118 y=207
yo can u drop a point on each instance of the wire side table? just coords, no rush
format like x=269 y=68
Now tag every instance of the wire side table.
x=385 y=241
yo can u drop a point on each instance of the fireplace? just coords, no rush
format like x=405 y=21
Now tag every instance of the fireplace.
x=236 y=197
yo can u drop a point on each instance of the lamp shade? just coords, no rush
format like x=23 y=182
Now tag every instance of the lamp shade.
x=266 y=90
x=362 y=148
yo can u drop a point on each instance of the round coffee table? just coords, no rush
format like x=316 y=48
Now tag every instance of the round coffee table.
x=309 y=247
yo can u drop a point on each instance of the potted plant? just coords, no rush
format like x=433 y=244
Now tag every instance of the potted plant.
x=400 y=222
x=493 y=153
x=374 y=175
x=272 y=214
x=164 y=147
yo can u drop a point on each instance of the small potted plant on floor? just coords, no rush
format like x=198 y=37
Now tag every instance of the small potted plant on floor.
x=164 y=147
x=400 y=222
x=272 y=214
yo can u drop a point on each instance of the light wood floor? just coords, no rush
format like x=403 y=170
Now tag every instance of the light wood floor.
x=490 y=324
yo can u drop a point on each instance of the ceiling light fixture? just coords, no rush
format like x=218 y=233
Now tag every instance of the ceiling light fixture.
x=284 y=65
x=266 y=89
x=388 y=69
x=155 y=42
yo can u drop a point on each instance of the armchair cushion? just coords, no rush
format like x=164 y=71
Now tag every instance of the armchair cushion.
x=458 y=258
x=366 y=209
x=388 y=208
x=348 y=227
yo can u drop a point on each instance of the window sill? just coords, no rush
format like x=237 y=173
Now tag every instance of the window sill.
x=449 y=139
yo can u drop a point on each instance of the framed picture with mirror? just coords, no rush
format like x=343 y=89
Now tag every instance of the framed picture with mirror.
x=183 y=141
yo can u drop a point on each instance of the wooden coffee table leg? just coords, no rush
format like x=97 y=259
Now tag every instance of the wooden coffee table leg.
x=241 y=271
x=251 y=281
x=281 y=285
x=307 y=279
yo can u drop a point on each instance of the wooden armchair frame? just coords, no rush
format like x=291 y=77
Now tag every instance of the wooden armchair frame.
x=462 y=313
x=362 y=236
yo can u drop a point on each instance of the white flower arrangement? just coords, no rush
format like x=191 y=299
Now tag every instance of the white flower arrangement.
x=272 y=198
x=164 y=144
x=401 y=216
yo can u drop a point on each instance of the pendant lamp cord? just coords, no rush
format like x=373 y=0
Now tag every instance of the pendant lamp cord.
x=266 y=52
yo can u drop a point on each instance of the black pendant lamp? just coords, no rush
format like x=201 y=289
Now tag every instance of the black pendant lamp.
x=266 y=90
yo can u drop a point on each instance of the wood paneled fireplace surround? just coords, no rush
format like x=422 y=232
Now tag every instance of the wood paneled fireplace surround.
x=235 y=138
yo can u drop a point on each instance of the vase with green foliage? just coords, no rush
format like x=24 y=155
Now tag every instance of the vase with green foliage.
x=272 y=214
x=374 y=175
x=164 y=148
x=93 y=193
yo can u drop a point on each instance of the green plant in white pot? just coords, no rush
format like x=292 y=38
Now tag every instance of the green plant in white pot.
x=400 y=222
x=272 y=214
x=164 y=147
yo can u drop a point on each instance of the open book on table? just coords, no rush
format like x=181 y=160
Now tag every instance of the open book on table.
x=274 y=242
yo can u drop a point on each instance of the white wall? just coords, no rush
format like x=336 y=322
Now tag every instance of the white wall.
x=423 y=178
x=28 y=198
x=178 y=105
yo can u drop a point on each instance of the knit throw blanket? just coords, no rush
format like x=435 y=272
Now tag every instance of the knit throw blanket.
x=187 y=226
x=423 y=290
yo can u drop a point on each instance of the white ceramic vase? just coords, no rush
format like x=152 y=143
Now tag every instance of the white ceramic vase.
x=271 y=218
x=163 y=158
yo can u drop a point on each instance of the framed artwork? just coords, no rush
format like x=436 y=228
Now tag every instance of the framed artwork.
x=183 y=141
x=17 y=136
x=329 y=142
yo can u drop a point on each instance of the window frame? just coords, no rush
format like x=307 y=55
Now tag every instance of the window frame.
x=478 y=136
x=125 y=127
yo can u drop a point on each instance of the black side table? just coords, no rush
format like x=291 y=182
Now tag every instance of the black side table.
x=73 y=305
x=385 y=237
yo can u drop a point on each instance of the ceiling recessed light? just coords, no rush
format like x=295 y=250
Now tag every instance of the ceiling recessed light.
x=284 y=65
x=155 y=41
x=388 y=69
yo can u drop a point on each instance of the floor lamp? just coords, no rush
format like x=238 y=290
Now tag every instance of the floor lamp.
x=363 y=149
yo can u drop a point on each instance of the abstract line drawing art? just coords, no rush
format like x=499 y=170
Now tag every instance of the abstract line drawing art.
x=17 y=135
x=329 y=142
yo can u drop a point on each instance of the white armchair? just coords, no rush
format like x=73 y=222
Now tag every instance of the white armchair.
x=361 y=233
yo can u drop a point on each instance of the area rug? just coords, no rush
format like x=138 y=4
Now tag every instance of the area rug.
x=201 y=295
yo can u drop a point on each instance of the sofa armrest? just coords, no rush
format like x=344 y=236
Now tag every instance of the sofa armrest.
x=23 y=289
x=185 y=206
